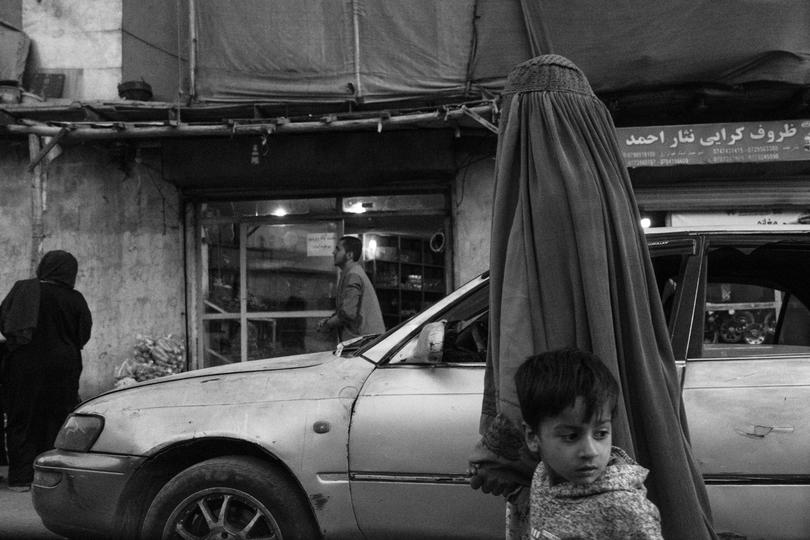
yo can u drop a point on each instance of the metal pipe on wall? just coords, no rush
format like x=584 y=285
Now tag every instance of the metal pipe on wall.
x=38 y=202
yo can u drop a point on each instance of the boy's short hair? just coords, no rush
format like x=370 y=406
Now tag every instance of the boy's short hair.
x=549 y=382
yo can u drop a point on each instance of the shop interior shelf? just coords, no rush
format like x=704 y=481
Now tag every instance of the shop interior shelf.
x=406 y=274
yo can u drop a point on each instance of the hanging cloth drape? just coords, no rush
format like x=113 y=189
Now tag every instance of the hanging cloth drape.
x=570 y=268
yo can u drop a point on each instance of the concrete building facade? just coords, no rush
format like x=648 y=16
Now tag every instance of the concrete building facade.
x=123 y=227
x=128 y=204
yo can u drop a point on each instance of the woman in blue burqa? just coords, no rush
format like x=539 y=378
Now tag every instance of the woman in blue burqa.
x=570 y=268
x=46 y=323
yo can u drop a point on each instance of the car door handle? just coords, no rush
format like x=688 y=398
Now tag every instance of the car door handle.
x=759 y=431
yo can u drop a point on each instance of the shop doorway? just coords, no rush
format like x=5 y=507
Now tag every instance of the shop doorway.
x=281 y=250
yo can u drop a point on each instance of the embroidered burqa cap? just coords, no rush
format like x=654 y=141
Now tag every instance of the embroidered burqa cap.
x=570 y=268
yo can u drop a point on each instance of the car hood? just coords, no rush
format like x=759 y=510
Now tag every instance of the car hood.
x=308 y=376
x=266 y=402
x=268 y=364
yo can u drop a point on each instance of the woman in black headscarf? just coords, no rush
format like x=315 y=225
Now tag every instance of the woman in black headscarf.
x=46 y=322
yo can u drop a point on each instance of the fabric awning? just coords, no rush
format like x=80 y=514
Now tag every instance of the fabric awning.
x=14 y=47
x=377 y=51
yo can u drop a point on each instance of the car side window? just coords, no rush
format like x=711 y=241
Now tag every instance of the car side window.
x=740 y=313
x=756 y=301
x=795 y=323
x=466 y=331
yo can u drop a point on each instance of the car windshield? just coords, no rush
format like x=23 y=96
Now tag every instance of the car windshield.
x=378 y=347
x=363 y=343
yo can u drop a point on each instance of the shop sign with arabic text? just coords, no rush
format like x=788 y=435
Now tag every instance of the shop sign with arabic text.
x=702 y=144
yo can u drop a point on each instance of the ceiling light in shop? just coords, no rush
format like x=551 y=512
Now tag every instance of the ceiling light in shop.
x=372 y=249
x=356 y=208
x=646 y=223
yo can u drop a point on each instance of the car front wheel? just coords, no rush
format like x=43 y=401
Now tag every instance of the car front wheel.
x=230 y=498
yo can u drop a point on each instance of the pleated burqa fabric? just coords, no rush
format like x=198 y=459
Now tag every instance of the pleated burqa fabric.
x=570 y=268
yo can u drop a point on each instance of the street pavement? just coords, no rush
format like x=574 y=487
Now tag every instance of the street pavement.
x=18 y=519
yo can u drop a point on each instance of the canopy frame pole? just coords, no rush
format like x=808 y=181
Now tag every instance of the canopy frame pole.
x=47 y=148
x=358 y=90
x=480 y=119
x=74 y=131
x=192 y=51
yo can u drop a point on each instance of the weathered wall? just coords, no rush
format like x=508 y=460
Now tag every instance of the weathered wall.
x=81 y=40
x=15 y=213
x=126 y=233
x=472 y=217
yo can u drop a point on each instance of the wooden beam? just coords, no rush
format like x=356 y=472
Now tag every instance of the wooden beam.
x=38 y=195
x=47 y=148
x=149 y=130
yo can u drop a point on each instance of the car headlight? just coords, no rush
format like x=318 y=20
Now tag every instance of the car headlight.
x=79 y=432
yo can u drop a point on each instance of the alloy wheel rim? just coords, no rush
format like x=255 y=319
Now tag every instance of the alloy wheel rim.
x=221 y=513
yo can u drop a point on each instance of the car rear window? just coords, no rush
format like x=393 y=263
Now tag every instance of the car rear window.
x=756 y=299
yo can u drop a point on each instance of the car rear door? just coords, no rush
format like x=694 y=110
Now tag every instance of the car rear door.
x=746 y=384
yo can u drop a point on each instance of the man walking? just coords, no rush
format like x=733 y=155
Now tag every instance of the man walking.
x=357 y=310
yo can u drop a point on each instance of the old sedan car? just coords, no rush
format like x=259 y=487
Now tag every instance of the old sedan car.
x=372 y=440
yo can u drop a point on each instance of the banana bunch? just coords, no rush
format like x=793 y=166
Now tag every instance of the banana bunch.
x=168 y=353
x=152 y=358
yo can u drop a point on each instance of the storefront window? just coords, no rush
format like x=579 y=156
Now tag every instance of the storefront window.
x=276 y=207
x=291 y=281
x=220 y=261
x=393 y=203
x=221 y=344
x=268 y=276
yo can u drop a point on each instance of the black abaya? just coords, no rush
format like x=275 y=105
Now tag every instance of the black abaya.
x=41 y=377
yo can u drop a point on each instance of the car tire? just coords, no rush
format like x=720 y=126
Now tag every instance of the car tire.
x=259 y=500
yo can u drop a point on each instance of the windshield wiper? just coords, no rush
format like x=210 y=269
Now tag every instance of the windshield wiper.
x=349 y=348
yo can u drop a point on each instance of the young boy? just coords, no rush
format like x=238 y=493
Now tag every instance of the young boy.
x=583 y=487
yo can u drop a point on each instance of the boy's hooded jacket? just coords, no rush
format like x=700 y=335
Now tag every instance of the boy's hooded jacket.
x=614 y=507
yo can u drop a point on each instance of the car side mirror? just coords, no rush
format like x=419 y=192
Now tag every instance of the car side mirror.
x=430 y=345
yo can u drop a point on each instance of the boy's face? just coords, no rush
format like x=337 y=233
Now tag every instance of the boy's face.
x=572 y=447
